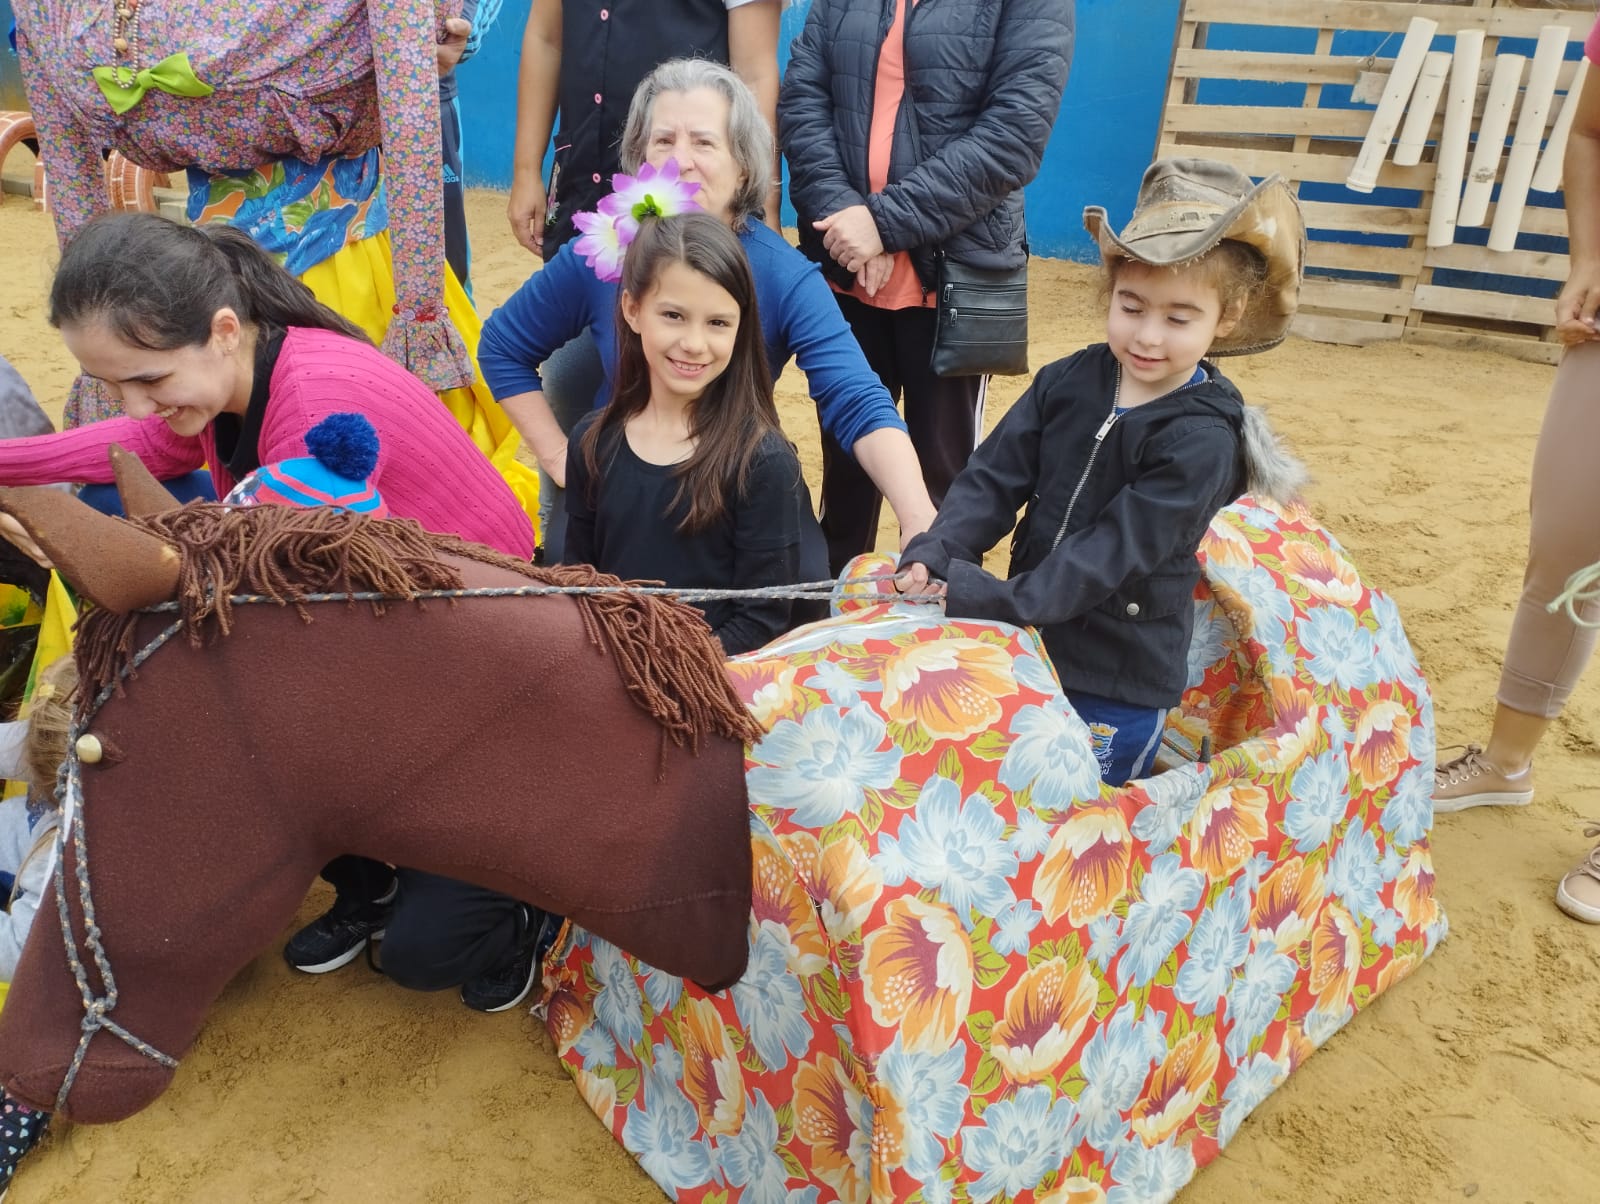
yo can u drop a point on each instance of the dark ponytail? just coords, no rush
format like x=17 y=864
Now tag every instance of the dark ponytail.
x=158 y=285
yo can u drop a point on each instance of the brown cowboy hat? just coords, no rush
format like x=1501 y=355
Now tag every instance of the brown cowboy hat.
x=1186 y=207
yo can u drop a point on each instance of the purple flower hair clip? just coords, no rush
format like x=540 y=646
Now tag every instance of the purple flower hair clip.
x=615 y=222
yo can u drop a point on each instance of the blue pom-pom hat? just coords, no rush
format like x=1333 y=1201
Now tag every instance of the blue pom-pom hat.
x=344 y=451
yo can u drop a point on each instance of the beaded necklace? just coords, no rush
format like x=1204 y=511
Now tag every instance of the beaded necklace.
x=125 y=41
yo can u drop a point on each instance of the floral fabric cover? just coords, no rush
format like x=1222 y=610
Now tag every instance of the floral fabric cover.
x=977 y=974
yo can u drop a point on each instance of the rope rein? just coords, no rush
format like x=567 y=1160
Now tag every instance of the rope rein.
x=816 y=591
x=97 y=1008
x=69 y=790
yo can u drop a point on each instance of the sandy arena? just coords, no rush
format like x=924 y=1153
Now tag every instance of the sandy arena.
x=1478 y=1077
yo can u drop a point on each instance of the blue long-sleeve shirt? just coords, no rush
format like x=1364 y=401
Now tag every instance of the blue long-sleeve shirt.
x=800 y=320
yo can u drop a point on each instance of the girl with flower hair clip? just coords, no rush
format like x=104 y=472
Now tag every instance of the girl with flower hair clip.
x=685 y=476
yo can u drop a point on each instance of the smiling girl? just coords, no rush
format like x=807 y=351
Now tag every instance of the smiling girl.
x=221 y=357
x=702 y=117
x=685 y=476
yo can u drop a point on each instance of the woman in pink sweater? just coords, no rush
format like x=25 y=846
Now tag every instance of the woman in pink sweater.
x=220 y=357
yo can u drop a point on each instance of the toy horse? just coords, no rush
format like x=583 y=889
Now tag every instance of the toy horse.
x=582 y=753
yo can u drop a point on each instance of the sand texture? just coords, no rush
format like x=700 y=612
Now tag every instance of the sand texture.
x=1478 y=1077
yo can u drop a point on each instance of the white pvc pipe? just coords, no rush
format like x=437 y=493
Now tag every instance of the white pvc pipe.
x=1524 y=157
x=1451 y=158
x=1407 y=64
x=1424 y=104
x=1491 y=139
x=1548 y=177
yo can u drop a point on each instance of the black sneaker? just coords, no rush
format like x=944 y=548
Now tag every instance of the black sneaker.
x=508 y=984
x=337 y=937
x=20 y=1130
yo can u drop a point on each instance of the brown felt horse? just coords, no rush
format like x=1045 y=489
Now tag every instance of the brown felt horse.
x=582 y=753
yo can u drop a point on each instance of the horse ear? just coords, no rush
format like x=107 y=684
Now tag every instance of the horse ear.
x=140 y=492
x=108 y=561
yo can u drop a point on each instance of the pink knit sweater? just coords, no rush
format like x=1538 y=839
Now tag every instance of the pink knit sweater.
x=428 y=468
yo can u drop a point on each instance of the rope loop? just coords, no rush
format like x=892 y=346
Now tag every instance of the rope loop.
x=1583 y=590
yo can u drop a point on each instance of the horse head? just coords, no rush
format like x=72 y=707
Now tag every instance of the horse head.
x=582 y=752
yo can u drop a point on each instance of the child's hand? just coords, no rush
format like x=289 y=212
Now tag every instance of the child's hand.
x=915 y=583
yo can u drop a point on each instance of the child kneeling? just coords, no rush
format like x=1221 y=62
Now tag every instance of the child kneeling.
x=1124 y=452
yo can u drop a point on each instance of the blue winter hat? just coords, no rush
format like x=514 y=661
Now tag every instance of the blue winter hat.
x=344 y=452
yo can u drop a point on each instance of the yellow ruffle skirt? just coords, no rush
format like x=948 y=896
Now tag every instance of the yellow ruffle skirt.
x=358 y=282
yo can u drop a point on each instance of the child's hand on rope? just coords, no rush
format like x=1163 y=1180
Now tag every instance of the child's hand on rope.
x=914 y=582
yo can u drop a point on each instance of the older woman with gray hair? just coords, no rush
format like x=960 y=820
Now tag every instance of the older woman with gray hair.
x=701 y=115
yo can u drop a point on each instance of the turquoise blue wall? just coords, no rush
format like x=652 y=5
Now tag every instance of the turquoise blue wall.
x=1104 y=137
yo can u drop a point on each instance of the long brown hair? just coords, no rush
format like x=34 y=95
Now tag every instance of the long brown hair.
x=736 y=412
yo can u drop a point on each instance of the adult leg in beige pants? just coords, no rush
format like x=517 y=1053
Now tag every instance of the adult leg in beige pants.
x=1547 y=652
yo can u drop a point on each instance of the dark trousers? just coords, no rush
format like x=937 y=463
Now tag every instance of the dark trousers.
x=443 y=932
x=457 y=247
x=944 y=415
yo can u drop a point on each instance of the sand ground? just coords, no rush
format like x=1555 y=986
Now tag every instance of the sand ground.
x=1478 y=1077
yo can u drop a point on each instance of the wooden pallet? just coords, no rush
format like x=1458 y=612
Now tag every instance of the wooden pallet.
x=1357 y=291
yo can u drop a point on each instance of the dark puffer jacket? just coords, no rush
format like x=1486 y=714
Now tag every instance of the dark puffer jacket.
x=983 y=86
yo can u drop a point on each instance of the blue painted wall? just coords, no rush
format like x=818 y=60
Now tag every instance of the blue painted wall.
x=1104 y=137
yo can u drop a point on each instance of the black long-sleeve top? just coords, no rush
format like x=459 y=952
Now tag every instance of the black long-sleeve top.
x=624 y=522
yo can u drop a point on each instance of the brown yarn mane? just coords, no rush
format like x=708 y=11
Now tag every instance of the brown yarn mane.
x=669 y=662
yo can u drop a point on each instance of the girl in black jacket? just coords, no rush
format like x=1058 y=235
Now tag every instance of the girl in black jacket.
x=1124 y=452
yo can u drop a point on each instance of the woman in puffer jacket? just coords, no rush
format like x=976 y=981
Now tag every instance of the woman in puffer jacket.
x=910 y=127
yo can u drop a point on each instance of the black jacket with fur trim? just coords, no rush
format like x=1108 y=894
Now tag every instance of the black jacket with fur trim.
x=1103 y=560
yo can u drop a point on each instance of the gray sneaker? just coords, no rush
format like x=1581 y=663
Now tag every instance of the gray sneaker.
x=1471 y=780
x=1579 y=892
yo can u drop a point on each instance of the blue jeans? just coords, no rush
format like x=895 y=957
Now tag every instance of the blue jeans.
x=1125 y=737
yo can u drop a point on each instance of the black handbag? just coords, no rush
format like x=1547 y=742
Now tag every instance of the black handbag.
x=981 y=324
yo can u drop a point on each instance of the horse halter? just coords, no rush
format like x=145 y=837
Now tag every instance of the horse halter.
x=69 y=787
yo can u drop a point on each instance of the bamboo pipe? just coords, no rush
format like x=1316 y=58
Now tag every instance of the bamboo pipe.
x=1524 y=157
x=1491 y=139
x=1451 y=158
x=1407 y=65
x=1548 y=177
x=1424 y=104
